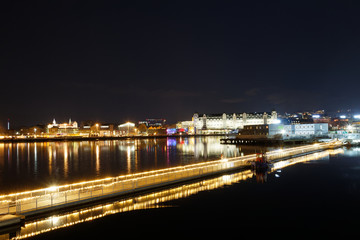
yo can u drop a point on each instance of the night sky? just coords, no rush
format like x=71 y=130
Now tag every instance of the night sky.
x=116 y=61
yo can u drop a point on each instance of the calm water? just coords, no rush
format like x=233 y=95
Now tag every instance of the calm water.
x=317 y=195
x=28 y=166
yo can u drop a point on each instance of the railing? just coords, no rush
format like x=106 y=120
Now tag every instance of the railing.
x=37 y=200
x=144 y=201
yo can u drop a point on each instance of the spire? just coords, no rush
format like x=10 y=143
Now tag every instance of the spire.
x=54 y=122
x=69 y=121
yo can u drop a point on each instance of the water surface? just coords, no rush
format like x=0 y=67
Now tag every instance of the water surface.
x=29 y=166
x=316 y=195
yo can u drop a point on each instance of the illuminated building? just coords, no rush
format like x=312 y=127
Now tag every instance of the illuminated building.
x=156 y=131
x=258 y=130
x=98 y=130
x=33 y=130
x=127 y=129
x=208 y=123
x=151 y=122
x=63 y=128
x=306 y=129
x=107 y=130
x=293 y=130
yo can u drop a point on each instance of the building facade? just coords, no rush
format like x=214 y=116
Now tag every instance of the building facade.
x=127 y=129
x=286 y=131
x=98 y=130
x=63 y=128
x=153 y=122
x=306 y=129
x=229 y=121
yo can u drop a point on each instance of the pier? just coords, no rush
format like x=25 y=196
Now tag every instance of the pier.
x=254 y=140
x=30 y=203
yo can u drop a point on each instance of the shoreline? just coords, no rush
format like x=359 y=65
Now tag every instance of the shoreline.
x=79 y=138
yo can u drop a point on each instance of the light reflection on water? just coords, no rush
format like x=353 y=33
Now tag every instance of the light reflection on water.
x=25 y=166
x=151 y=200
x=147 y=201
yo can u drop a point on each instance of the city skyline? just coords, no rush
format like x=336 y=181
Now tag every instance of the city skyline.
x=130 y=61
x=315 y=114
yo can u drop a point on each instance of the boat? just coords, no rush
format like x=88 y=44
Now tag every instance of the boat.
x=261 y=163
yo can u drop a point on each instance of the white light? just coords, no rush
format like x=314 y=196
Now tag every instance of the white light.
x=357 y=116
x=342 y=116
x=226 y=178
x=316 y=116
x=277 y=175
x=54 y=220
x=51 y=189
x=128 y=124
x=277 y=121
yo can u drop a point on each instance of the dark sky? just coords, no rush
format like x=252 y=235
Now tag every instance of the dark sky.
x=128 y=60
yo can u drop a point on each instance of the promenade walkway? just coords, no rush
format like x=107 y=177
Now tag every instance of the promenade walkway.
x=57 y=197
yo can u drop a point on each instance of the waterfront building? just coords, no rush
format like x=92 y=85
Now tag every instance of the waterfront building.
x=127 y=129
x=85 y=130
x=98 y=129
x=293 y=130
x=153 y=122
x=63 y=128
x=107 y=130
x=222 y=123
x=311 y=129
x=188 y=125
x=152 y=131
x=257 y=130
x=33 y=130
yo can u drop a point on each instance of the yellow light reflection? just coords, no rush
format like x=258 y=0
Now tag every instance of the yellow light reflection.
x=128 y=158
x=146 y=201
x=50 y=159
x=66 y=158
x=97 y=166
x=88 y=189
x=153 y=199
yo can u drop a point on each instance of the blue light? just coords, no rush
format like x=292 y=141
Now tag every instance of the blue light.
x=171 y=142
x=171 y=131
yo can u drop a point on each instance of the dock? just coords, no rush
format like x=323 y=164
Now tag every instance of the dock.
x=253 y=140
